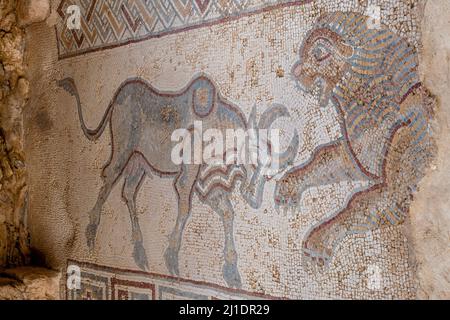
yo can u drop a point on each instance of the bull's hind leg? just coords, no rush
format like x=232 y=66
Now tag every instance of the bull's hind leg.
x=111 y=174
x=131 y=187
x=221 y=204
x=184 y=185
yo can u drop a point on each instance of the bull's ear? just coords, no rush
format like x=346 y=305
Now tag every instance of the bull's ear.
x=203 y=96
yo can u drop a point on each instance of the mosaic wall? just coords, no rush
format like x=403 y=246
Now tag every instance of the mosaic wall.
x=343 y=89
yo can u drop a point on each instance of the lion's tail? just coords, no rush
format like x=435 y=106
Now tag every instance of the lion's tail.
x=68 y=84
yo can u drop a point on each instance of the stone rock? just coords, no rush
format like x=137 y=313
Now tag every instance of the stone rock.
x=29 y=283
x=32 y=11
x=14 y=87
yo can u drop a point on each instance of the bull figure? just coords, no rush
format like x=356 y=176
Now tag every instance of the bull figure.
x=141 y=120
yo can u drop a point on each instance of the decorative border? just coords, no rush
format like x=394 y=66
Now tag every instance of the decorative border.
x=109 y=24
x=120 y=288
x=117 y=283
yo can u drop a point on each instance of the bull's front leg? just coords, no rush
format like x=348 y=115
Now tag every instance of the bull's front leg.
x=219 y=201
x=184 y=185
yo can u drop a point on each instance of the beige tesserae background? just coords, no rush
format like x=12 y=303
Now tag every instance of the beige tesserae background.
x=346 y=90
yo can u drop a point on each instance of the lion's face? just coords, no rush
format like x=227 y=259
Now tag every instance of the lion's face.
x=323 y=62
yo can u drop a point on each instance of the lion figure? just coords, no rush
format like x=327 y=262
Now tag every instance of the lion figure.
x=370 y=76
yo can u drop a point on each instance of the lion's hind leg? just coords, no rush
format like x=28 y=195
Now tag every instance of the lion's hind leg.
x=322 y=240
x=331 y=165
x=381 y=205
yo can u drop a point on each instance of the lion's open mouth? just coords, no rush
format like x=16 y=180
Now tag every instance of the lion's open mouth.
x=317 y=89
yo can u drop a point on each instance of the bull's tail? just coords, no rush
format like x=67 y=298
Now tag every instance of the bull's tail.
x=68 y=84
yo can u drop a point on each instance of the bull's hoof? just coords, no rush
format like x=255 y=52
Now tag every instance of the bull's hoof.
x=139 y=255
x=231 y=275
x=91 y=233
x=171 y=259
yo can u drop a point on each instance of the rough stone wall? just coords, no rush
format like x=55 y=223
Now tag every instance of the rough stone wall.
x=14 y=240
x=430 y=213
x=29 y=283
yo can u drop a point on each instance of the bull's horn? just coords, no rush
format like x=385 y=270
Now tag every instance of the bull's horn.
x=267 y=119
x=287 y=157
x=270 y=115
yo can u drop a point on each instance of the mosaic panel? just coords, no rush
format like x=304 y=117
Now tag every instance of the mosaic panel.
x=356 y=144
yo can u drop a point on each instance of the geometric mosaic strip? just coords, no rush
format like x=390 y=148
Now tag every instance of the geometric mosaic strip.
x=107 y=283
x=107 y=24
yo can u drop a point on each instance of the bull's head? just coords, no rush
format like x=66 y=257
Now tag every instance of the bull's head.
x=253 y=189
x=216 y=112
